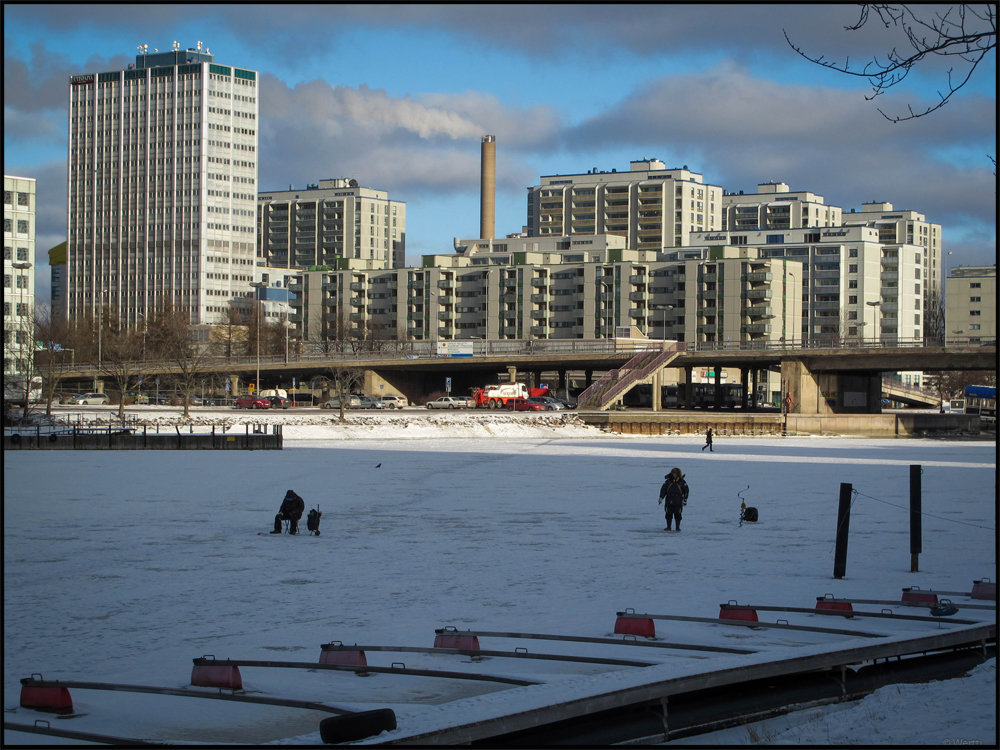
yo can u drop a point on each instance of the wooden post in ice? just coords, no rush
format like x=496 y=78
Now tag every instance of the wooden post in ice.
x=915 y=546
x=843 y=525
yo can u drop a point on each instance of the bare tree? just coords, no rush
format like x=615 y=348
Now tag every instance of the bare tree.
x=343 y=381
x=233 y=330
x=121 y=360
x=20 y=376
x=53 y=358
x=170 y=335
x=964 y=34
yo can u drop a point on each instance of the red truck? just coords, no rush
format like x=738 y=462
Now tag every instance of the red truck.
x=499 y=396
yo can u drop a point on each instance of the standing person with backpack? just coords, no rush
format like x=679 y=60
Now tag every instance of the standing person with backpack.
x=673 y=496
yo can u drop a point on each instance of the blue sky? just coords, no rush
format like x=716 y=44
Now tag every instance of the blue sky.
x=398 y=97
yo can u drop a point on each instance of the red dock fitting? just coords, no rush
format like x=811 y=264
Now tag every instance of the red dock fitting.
x=337 y=653
x=450 y=638
x=205 y=673
x=44 y=698
x=916 y=595
x=826 y=602
x=728 y=612
x=984 y=589
x=628 y=624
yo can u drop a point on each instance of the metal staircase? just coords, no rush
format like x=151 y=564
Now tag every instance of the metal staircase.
x=616 y=383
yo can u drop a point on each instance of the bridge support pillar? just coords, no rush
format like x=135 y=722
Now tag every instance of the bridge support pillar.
x=744 y=380
x=511 y=373
x=234 y=385
x=657 y=390
x=687 y=393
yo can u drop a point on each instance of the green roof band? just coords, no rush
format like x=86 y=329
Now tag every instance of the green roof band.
x=221 y=70
x=248 y=74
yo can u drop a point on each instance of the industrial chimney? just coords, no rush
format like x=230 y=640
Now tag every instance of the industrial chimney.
x=487 y=187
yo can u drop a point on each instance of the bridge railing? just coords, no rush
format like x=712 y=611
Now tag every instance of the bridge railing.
x=537 y=347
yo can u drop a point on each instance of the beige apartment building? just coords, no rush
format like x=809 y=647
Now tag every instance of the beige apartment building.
x=854 y=286
x=557 y=288
x=162 y=188
x=18 y=272
x=330 y=221
x=774 y=206
x=971 y=305
x=901 y=227
x=651 y=206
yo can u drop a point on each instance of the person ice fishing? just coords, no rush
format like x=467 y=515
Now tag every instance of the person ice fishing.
x=708 y=441
x=673 y=496
x=291 y=510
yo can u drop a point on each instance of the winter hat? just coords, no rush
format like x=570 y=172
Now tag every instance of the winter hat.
x=289 y=494
x=676 y=472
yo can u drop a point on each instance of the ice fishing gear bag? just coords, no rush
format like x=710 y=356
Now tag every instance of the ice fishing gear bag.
x=750 y=515
x=312 y=520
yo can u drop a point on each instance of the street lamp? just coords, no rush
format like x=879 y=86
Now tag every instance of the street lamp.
x=875 y=329
x=607 y=284
x=258 y=285
x=665 y=308
x=24 y=337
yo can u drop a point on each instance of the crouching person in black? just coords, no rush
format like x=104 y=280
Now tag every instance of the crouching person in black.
x=291 y=510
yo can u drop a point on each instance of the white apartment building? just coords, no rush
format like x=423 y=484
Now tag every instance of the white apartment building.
x=328 y=222
x=855 y=287
x=162 y=187
x=774 y=206
x=971 y=305
x=18 y=272
x=651 y=206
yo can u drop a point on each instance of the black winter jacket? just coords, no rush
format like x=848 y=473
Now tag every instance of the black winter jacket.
x=293 y=506
x=673 y=492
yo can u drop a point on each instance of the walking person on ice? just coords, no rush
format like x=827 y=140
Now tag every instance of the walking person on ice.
x=708 y=441
x=673 y=496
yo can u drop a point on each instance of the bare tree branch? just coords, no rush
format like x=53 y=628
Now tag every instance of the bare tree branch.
x=964 y=32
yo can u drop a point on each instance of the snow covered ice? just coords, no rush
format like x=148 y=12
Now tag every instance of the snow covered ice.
x=121 y=566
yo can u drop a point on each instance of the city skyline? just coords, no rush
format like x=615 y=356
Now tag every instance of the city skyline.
x=398 y=97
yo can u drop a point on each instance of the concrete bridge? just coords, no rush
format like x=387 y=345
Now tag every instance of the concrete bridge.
x=827 y=380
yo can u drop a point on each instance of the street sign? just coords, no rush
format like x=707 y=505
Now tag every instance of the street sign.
x=447 y=385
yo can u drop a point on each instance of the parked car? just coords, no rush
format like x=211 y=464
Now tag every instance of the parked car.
x=550 y=404
x=451 y=402
x=367 y=402
x=394 y=402
x=525 y=404
x=62 y=397
x=353 y=402
x=92 y=398
x=252 y=402
x=277 y=402
x=134 y=397
x=567 y=404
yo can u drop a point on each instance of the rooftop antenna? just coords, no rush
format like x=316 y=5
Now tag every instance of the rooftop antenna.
x=176 y=45
x=199 y=46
